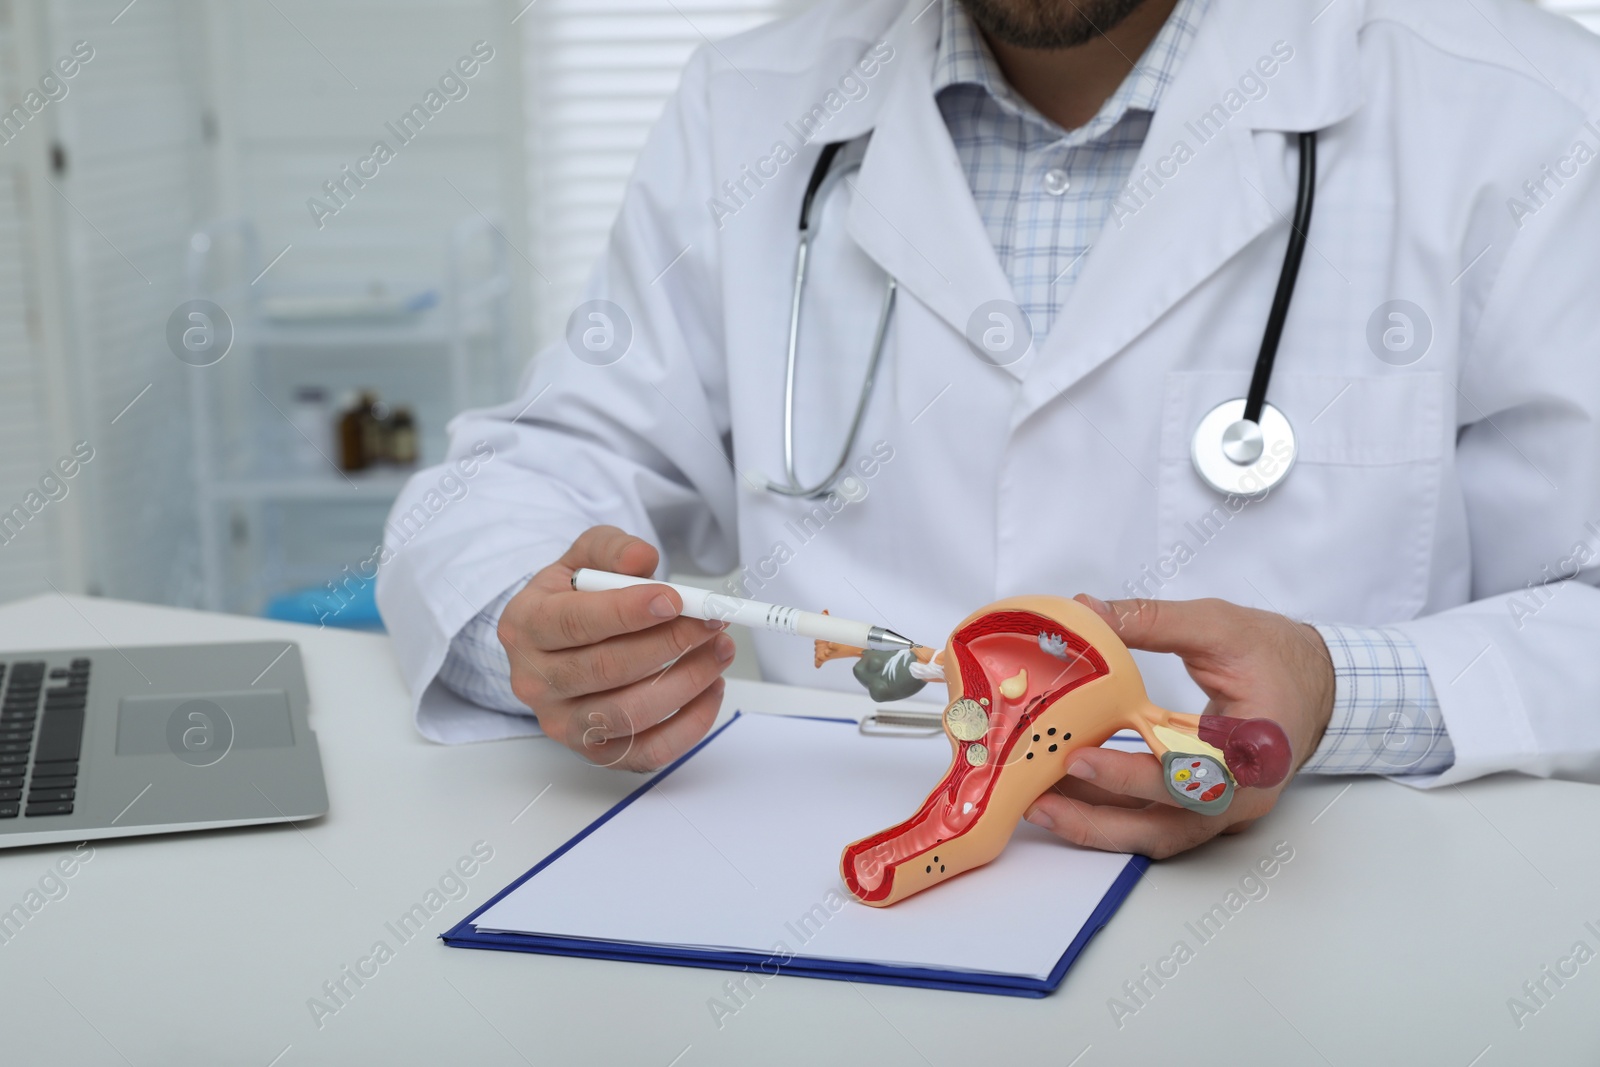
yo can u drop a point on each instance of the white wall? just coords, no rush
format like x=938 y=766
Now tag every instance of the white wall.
x=305 y=87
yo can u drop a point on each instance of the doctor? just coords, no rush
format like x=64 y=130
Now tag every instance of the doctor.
x=1085 y=211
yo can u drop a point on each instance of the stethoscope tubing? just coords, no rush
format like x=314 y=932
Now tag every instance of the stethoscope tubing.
x=794 y=488
x=1260 y=379
x=1305 y=198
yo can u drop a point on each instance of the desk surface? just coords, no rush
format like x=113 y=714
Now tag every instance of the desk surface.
x=1398 y=933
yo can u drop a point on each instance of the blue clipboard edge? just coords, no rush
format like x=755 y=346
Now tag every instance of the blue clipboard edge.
x=463 y=934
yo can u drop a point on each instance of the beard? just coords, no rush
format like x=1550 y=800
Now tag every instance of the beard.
x=1047 y=23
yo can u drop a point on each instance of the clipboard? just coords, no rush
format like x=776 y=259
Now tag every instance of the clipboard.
x=709 y=882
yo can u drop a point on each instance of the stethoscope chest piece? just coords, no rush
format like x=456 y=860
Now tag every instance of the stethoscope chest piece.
x=1242 y=458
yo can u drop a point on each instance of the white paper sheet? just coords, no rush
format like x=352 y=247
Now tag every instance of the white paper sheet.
x=739 y=849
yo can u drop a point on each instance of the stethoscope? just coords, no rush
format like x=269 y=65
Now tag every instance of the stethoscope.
x=1242 y=447
x=824 y=177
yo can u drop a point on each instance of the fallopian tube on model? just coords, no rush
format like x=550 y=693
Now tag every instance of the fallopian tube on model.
x=1031 y=680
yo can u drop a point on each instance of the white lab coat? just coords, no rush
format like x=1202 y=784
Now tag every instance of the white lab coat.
x=1428 y=495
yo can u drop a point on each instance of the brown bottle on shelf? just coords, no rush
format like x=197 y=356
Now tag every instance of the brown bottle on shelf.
x=375 y=432
x=403 y=437
x=353 y=433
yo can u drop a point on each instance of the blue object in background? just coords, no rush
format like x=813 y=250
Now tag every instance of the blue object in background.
x=349 y=605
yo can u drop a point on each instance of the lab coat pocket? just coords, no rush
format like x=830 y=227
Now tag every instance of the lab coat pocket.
x=1347 y=536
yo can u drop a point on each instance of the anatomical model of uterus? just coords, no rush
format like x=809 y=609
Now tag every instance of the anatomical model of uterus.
x=1031 y=680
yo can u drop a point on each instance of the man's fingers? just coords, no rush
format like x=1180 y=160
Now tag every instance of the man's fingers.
x=1156 y=831
x=1089 y=793
x=1128 y=774
x=573 y=620
x=624 y=659
x=568 y=619
x=634 y=709
x=607 y=548
x=1186 y=627
x=666 y=741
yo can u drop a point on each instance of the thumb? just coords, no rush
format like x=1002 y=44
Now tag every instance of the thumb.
x=1185 y=627
x=607 y=548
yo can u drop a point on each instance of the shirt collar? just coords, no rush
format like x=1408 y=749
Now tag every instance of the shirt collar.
x=964 y=58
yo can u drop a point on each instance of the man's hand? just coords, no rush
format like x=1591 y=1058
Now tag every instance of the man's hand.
x=605 y=672
x=1252 y=664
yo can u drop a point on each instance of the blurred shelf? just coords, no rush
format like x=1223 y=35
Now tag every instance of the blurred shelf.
x=374 y=485
x=427 y=333
x=356 y=339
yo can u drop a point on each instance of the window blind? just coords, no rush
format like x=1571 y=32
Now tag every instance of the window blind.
x=597 y=73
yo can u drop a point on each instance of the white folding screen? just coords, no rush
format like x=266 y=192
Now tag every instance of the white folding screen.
x=597 y=73
x=40 y=509
x=133 y=174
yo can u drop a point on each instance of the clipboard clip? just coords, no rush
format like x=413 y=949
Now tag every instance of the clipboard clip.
x=892 y=722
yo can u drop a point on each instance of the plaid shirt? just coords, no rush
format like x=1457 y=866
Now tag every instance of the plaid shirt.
x=1044 y=194
x=1386 y=716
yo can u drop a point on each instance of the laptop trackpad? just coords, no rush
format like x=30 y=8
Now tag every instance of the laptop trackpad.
x=201 y=728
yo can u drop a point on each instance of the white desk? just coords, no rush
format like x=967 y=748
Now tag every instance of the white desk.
x=1396 y=934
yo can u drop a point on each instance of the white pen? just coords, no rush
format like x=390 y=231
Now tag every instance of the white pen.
x=719 y=607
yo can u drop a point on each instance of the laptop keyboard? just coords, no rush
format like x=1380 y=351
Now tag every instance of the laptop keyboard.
x=50 y=766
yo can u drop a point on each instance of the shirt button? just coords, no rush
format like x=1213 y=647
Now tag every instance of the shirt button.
x=1056 y=181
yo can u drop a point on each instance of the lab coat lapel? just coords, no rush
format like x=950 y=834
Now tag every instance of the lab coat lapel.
x=912 y=210
x=1188 y=217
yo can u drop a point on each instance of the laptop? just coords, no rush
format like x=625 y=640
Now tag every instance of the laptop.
x=116 y=742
